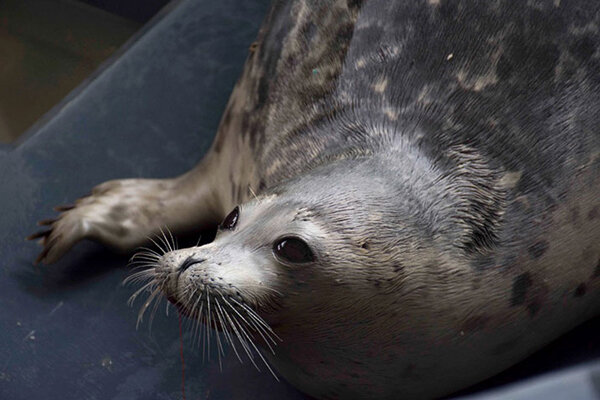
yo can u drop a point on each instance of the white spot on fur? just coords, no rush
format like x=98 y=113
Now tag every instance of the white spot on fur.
x=510 y=179
x=380 y=85
x=433 y=2
x=391 y=113
x=424 y=95
x=476 y=83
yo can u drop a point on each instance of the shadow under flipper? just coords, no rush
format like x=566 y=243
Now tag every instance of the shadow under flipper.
x=85 y=263
x=88 y=262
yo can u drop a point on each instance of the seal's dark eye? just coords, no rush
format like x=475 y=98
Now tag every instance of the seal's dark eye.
x=231 y=219
x=293 y=250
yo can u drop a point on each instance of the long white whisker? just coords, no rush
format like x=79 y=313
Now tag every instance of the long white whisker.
x=222 y=312
x=252 y=314
x=173 y=240
x=157 y=245
x=257 y=328
x=145 y=306
x=163 y=240
x=244 y=340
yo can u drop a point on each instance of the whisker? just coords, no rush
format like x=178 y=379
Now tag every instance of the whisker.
x=252 y=191
x=226 y=331
x=252 y=313
x=151 y=251
x=257 y=328
x=157 y=245
x=243 y=338
x=145 y=306
x=140 y=290
x=173 y=240
x=163 y=240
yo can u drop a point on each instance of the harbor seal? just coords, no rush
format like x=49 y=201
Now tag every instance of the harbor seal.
x=408 y=194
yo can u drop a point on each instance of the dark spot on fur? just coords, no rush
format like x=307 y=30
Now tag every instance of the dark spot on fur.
x=253 y=47
x=354 y=3
x=575 y=215
x=475 y=323
x=594 y=212
x=365 y=245
x=245 y=124
x=409 y=371
x=505 y=346
x=398 y=268
x=538 y=249
x=219 y=143
x=504 y=69
x=580 y=290
x=308 y=31
x=583 y=48
x=117 y=213
x=534 y=307
x=519 y=289
x=597 y=271
x=483 y=262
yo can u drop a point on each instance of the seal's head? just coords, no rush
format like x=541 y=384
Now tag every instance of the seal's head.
x=332 y=263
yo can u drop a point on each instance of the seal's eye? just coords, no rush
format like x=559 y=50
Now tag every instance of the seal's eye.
x=231 y=219
x=293 y=250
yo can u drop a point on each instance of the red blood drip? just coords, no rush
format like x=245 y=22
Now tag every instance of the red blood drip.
x=182 y=362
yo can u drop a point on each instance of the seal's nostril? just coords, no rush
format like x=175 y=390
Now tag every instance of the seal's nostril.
x=188 y=262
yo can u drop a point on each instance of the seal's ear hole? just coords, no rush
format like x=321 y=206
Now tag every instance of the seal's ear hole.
x=230 y=220
x=293 y=250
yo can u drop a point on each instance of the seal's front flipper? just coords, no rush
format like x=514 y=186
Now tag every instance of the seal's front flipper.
x=124 y=214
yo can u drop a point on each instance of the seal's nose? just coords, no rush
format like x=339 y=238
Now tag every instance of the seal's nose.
x=188 y=262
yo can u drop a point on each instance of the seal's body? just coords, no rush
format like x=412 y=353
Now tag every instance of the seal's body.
x=428 y=193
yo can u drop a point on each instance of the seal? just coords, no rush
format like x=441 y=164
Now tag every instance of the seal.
x=415 y=189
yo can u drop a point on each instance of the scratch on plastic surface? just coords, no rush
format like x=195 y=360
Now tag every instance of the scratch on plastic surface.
x=59 y=305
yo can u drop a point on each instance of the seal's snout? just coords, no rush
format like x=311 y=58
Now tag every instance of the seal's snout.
x=179 y=261
x=188 y=262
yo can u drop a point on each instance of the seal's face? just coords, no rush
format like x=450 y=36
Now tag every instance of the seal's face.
x=269 y=256
x=314 y=262
x=252 y=260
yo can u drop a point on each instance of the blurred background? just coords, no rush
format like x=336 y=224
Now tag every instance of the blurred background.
x=49 y=47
